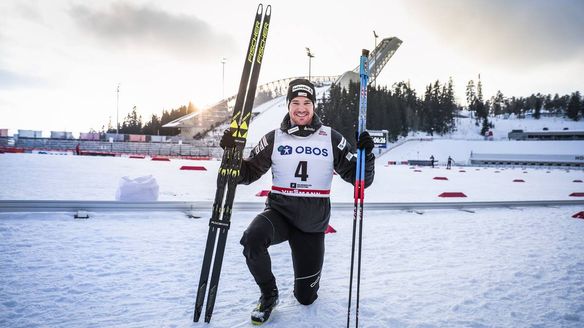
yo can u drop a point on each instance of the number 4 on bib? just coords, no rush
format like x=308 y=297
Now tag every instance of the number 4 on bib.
x=302 y=170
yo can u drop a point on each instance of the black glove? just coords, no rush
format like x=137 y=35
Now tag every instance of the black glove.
x=365 y=142
x=227 y=140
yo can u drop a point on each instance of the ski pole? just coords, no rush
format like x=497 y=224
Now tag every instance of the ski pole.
x=359 y=191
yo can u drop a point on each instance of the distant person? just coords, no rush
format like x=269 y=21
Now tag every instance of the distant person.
x=78 y=149
x=449 y=163
x=432 y=160
x=302 y=154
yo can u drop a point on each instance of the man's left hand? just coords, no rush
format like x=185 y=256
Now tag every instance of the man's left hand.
x=365 y=142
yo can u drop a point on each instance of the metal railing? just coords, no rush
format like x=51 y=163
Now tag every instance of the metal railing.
x=185 y=206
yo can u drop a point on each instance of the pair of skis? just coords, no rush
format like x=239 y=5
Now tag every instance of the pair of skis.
x=228 y=175
x=359 y=194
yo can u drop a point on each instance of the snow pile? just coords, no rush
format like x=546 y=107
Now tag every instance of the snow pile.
x=140 y=189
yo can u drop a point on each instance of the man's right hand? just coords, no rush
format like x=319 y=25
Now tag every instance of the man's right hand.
x=227 y=140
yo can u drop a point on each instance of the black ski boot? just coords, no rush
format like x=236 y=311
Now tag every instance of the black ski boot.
x=266 y=304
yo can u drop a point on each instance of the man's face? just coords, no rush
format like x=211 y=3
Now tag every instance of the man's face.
x=301 y=111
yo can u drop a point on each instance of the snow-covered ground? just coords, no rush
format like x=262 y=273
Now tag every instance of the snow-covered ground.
x=518 y=267
x=491 y=268
x=445 y=268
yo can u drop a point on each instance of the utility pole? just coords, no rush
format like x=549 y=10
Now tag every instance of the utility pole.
x=375 y=52
x=117 y=111
x=223 y=61
x=310 y=56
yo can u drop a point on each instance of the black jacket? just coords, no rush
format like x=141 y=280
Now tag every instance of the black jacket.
x=309 y=214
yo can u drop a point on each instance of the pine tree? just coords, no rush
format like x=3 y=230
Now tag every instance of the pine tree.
x=497 y=103
x=480 y=90
x=132 y=124
x=574 y=106
x=535 y=103
x=450 y=106
x=153 y=126
x=414 y=106
x=562 y=103
x=427 y=113
x=470 y=96
x=555 y=104
x=582 y=108
x=548 y=104
x=481 y=108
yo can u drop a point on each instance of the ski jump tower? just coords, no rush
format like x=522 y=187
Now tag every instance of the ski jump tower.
x=378 y=58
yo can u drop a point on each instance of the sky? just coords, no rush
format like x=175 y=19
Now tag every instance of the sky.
x=61 y=61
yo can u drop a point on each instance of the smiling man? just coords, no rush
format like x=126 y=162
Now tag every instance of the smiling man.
x=302 y=153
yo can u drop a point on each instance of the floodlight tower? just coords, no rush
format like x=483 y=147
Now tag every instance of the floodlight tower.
x=310 y=56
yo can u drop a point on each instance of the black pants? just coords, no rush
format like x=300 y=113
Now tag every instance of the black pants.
x=270 y=228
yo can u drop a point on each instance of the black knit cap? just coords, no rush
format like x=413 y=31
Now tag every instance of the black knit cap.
x=301 y=88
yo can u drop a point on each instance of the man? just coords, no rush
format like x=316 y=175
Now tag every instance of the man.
x=302 y=154
x=449 y=163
